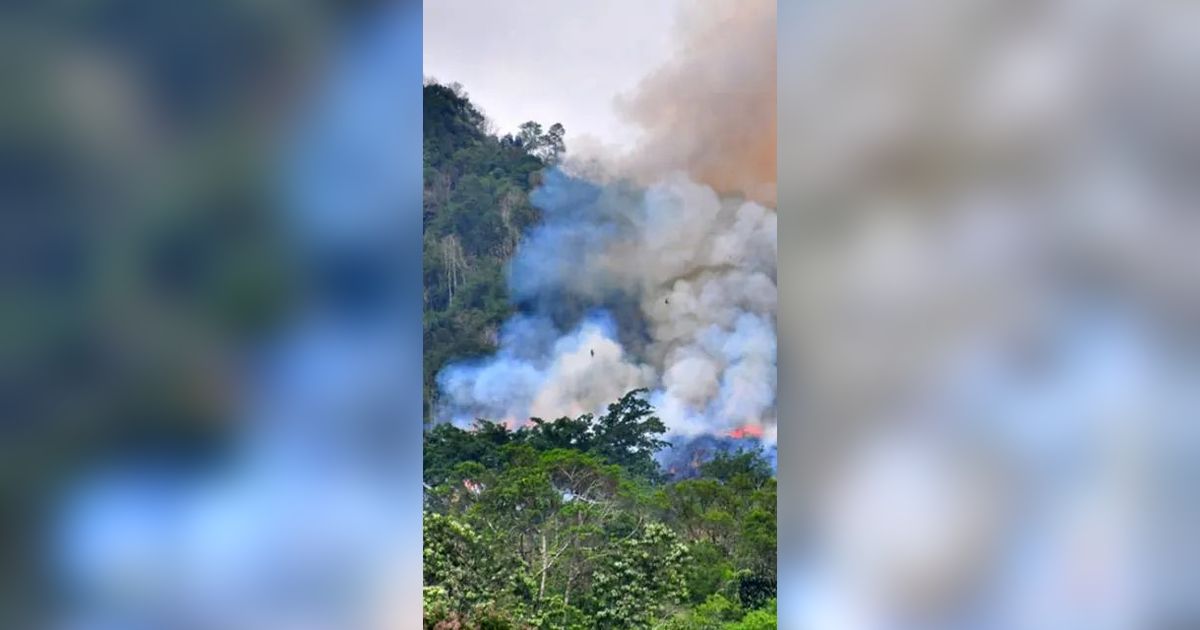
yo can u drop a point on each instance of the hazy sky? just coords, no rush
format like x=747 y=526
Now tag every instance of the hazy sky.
x=549 y=60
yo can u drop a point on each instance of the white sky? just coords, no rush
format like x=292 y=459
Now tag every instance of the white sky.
x=549 y=60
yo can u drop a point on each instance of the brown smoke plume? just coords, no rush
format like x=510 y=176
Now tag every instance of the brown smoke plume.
x=711 y=108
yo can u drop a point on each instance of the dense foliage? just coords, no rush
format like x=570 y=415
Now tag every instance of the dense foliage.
x=476 y=207
x=571 y=524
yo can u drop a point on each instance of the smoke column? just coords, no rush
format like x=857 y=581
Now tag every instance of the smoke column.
x=710 y=111
x=656 y=269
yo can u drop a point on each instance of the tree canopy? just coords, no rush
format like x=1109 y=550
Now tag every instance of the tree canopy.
x=571 y=523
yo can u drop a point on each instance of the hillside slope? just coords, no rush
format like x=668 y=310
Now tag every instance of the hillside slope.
x=476 y=207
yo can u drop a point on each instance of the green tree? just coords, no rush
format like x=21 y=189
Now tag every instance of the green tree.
x=462 y=571
x=761 y=619
x=628 y=435
x=570 y=524
x=530 y=135
x=639 y=579
x=714 y=613
x=553 y=145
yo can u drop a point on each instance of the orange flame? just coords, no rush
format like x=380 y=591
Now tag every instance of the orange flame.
x=746 y=431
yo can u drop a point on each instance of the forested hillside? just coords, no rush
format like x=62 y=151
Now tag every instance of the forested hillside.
x=476 y=206
x=571 y=524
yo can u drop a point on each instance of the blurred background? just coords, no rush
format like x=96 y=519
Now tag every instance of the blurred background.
x=988 y=314
x=987 y=268
x=206 y=233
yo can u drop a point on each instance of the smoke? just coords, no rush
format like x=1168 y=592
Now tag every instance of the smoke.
x=534 y=375
x=700 y=271
x=711 y=109
x=658 y=270
x=684 y=461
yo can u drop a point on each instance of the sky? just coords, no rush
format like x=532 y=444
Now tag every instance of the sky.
x=550 y=60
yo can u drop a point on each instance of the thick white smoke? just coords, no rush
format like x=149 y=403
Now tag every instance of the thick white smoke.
x=657 y=269
x=537 y=375
x=700 y=271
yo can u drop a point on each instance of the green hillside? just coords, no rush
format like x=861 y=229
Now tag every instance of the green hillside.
x=570 y=523
x=476 y=206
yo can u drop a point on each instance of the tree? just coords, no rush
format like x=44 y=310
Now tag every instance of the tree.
x=570 y=524
x=745 y=468
x=462 y=572
x=548 y=146
x=635 y=584
x=714 y=613
x=627 y=435
x=553 y=145
x=447 y=446
x=530 y=135
x=761 y=619
x=573 y=433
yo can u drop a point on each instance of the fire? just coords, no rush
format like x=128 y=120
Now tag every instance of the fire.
x=746 y=431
